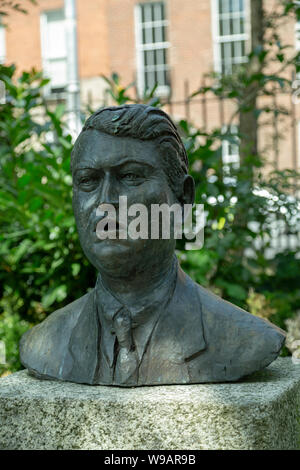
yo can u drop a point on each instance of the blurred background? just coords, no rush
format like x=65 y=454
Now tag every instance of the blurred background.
x=227 y=71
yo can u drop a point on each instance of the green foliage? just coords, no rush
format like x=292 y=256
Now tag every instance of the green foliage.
x=120 y=94
x=42 y=266
x=232 y=260
x=7 y=6
x=12 y=326
x=243 y=203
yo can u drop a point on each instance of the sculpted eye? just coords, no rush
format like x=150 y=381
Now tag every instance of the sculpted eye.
x=85 y=180
x=130 y=176
x=87 y=183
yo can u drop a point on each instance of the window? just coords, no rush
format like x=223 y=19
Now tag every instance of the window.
x=2 y=44
x=152 y=47
x=54 y=50
x=230 y=34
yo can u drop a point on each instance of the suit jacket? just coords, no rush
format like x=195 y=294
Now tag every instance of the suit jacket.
x=198 y=338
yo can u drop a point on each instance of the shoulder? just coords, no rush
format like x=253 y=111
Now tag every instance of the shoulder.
x=237 y=342
x=50 y=339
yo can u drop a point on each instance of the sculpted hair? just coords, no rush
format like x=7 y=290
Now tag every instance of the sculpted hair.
x=144 y=122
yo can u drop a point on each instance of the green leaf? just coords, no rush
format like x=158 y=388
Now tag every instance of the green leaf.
x=24 y=180
x=75 y=269
x=221 y=223
x=56 y=294
x=66 y=143
x=35 y=204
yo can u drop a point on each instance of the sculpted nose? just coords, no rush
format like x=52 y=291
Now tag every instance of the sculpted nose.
x=108 y=191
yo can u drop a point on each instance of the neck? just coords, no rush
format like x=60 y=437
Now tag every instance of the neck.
x=144 y=284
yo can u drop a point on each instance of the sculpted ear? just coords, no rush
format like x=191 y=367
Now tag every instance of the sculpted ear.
x=188 y=190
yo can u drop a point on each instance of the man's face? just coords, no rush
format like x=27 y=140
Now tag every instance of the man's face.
x=107 y=167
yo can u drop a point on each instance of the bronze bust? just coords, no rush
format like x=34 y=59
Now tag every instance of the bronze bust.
x=145 y=322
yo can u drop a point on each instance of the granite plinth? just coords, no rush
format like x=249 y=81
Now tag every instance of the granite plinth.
x=260 y=412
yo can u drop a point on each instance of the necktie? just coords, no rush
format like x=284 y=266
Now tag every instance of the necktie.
x=126 y=361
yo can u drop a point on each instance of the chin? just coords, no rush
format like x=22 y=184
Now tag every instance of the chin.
x=124 y=258
x=112 y=256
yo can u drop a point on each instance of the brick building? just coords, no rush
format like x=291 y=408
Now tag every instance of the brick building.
x=172 y=43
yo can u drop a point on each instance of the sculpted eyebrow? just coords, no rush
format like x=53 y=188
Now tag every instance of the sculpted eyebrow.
x=85 y=170
x=118 y=165
x=90 y=168
x=134 y=163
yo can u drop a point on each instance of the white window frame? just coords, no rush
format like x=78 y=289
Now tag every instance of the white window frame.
x=161 y=90
x=218 y=39
x=2 y=44
x=45 y=59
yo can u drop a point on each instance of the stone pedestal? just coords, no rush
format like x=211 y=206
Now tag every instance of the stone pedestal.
x=261 y=412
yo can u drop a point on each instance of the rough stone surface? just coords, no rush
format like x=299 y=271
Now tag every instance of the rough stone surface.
x=261 y=412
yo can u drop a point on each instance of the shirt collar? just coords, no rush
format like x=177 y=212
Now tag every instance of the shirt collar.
x=143 y=318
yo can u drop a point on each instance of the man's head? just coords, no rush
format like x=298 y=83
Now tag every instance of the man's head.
x=143 y=122
x=133 y=151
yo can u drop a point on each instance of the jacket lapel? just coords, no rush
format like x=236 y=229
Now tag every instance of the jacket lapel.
x=83 y=346
x=178 y=337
